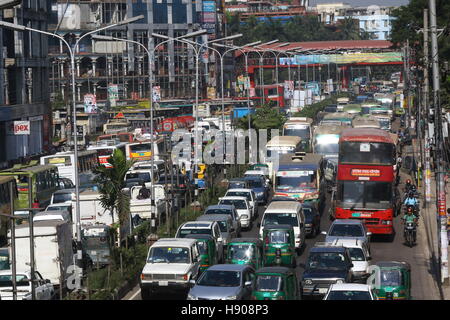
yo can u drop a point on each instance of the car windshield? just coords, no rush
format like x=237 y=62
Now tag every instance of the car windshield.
x=391 y=278
x=299 y=131
x=144 y=176
x=184 y=232
x=278 y=237
x=239 y=194
x=4 y=260
x=62 y=197
x=255 y=183
x=346 y=230
x=281 y=218
x=95 y=243
x=218 y=211
x=349 y=295
x=133 y=183
x=326 y=261
x=216 y=278
x=236 y=185
x=308 y=212
x=56 y=208
x=305 y=179
x=238 y=204
x=169 y=255
x=241 y=251
x=269 y=283
x=21 y=280
x=357 y=254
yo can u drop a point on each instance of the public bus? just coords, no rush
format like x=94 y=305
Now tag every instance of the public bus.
x=105 y=149
x=341 y=102
x=5 y=205
x=44 y=181
x=299 y=127
x=326 y=140
x=337 y=118
x=365 y=179
x=141 y=151
x=366 y=121
x=279 y=145
x=87 y=162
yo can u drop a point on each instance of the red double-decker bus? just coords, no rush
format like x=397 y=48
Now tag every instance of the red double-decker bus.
x=366 y=179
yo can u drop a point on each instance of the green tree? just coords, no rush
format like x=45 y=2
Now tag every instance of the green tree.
x=266 y=117
x=349 y=29
x=111 y=182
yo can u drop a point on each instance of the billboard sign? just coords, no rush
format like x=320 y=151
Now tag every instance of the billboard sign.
x=90 y=103
x=18 y=128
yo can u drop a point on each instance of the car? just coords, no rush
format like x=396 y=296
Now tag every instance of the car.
x=44 y=290
x=326 y=265
x=169 y=267
x=349 y=291
x=238 y=183
x=347 y=228
x=60 y=207
x=276 y=283
x=224 y=282
x=359 y=253
x=203 y=227
x=260 y=172
x=312 y=219
x=226 y=209
x=285 y=212
x=260 y=188
x=225 y=224
x=4 y=259
x=63 y=196
x=52 y=215
x=249 y=194
x=243 y=209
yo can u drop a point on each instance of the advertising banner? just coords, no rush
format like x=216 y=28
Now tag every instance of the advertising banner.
x=156 y=94
x=343 y=58
x=209 y=6
x=211 y=93
x=113 y=94
x=288 y=89
x=209 y=17
x=18 y=128
x=90 y=103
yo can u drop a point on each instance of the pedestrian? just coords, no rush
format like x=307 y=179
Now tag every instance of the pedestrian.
x=35 y=204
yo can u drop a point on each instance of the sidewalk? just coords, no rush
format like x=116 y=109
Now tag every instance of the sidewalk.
x=428 y=230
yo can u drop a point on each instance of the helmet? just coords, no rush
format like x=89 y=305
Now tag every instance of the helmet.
x=408 y=181
x=409 y=209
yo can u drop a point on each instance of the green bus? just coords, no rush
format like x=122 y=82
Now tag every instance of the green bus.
x=44 y=180
x=6 y=184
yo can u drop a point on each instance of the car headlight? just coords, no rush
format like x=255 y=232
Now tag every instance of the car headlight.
x=231 y=298
x=339 y=281
x=191 y=297
x=308 y=281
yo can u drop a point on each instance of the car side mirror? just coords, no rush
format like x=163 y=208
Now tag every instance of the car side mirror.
x=248 y=283
x=369 y=233
x=192 y=281
x=323 y=232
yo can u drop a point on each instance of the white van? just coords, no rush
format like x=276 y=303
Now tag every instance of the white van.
x=285 y=212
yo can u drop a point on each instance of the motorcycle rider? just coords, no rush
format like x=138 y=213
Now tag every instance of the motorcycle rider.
x=408 y=185
x=410 y=217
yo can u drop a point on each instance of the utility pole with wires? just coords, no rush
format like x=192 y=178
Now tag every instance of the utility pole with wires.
x=440 y=184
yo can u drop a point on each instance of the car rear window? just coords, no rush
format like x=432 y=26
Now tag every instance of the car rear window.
x=269 y=283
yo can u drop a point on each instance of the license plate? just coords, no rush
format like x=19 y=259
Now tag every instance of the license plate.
x=163 y=283
x=323 y=290
x=356 y=214
x=94 y=252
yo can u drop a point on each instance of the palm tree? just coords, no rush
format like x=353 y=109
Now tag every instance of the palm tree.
x=349 y=29
x=111 y=182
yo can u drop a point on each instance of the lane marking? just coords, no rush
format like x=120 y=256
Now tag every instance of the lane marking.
x=134 y=295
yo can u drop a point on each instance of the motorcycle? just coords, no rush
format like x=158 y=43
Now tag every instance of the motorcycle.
x=410 y=233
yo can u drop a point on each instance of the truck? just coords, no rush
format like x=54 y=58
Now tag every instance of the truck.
x=142 y=207
x=53 y=251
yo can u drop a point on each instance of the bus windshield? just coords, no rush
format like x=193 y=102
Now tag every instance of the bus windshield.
x=142 y=147
x=365 y=194
x=323 y=146
x=301 y=131
x=367 y=152
x=293 y=180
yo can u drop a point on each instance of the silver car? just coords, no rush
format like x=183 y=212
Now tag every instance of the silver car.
x=224 y=282
x=225 y=224
x=347 y=229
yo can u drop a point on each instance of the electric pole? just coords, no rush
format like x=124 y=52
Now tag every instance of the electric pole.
x=425 y=104
x=440 y=185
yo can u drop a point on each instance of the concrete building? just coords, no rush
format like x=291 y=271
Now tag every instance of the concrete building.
x=375 y=20
x=328 y=11
x=24 y=84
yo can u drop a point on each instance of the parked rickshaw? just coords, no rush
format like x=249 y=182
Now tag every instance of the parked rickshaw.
x=207 y=247
x=245 y=251
x=391 y=280
x=279 y=245
x=276 y=283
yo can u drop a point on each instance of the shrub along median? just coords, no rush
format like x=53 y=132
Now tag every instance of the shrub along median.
x=312 y=110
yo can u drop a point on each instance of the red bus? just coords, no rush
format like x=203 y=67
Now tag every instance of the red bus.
x=365 y=179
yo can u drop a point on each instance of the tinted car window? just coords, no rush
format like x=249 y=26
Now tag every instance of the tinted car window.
x=216 y=278
x=269 y=283
x=349 y=295
x=346 y=230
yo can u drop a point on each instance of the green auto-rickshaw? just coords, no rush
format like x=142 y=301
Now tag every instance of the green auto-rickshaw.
x=207 y=247
x=279 y=245
x=276 y=283
x=245 y=251
x=391 y=280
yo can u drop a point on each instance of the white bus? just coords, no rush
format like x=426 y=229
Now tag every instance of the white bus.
x=142 y=151
x=279 y=145
x=64 y=161
x=105 y=149
x=299 y=127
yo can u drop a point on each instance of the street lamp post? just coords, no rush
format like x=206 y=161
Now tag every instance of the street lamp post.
x=18 y=27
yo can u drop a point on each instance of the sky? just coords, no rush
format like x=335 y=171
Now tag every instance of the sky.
x=362 y=3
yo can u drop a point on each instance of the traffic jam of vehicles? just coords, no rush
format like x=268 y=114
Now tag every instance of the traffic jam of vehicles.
x=265 y=237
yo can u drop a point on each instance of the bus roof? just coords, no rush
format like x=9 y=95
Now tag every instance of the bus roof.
x=328 y=129
x=337 y=115
x=366 y=122
x=365 y=135
x=295 y=120
x=308 y=161
x=283 y=141
x=343 y=99
x=25 y=170
x=105 y=144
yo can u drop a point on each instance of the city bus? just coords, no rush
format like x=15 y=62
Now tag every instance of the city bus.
x=141 y=151
x=299 y=127
x=341 y=102
x=299 y=176
x=326 y=140
x=366 y=121
x=105 y=149
x=44 y=181
x=87 y=162
x=365 y=179
x=337 y=118
x=5 y=205
x=279 y=145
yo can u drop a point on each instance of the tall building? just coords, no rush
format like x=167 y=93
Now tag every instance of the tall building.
x=102 y=64
x=24 y=94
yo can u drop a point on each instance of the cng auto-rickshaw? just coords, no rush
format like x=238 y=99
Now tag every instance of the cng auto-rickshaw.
x=276 y=283
x=279 y=245
x=207 y=247
x=245 y=251
x=391 y=280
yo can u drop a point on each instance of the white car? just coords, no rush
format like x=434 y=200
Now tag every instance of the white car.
x=359 y=253
x=242 y=207
x=170 y=265
x=249 y=194
x=43 y=288
x=349 y=291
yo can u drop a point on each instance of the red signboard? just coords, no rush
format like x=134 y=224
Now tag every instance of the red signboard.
x=365 y=172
